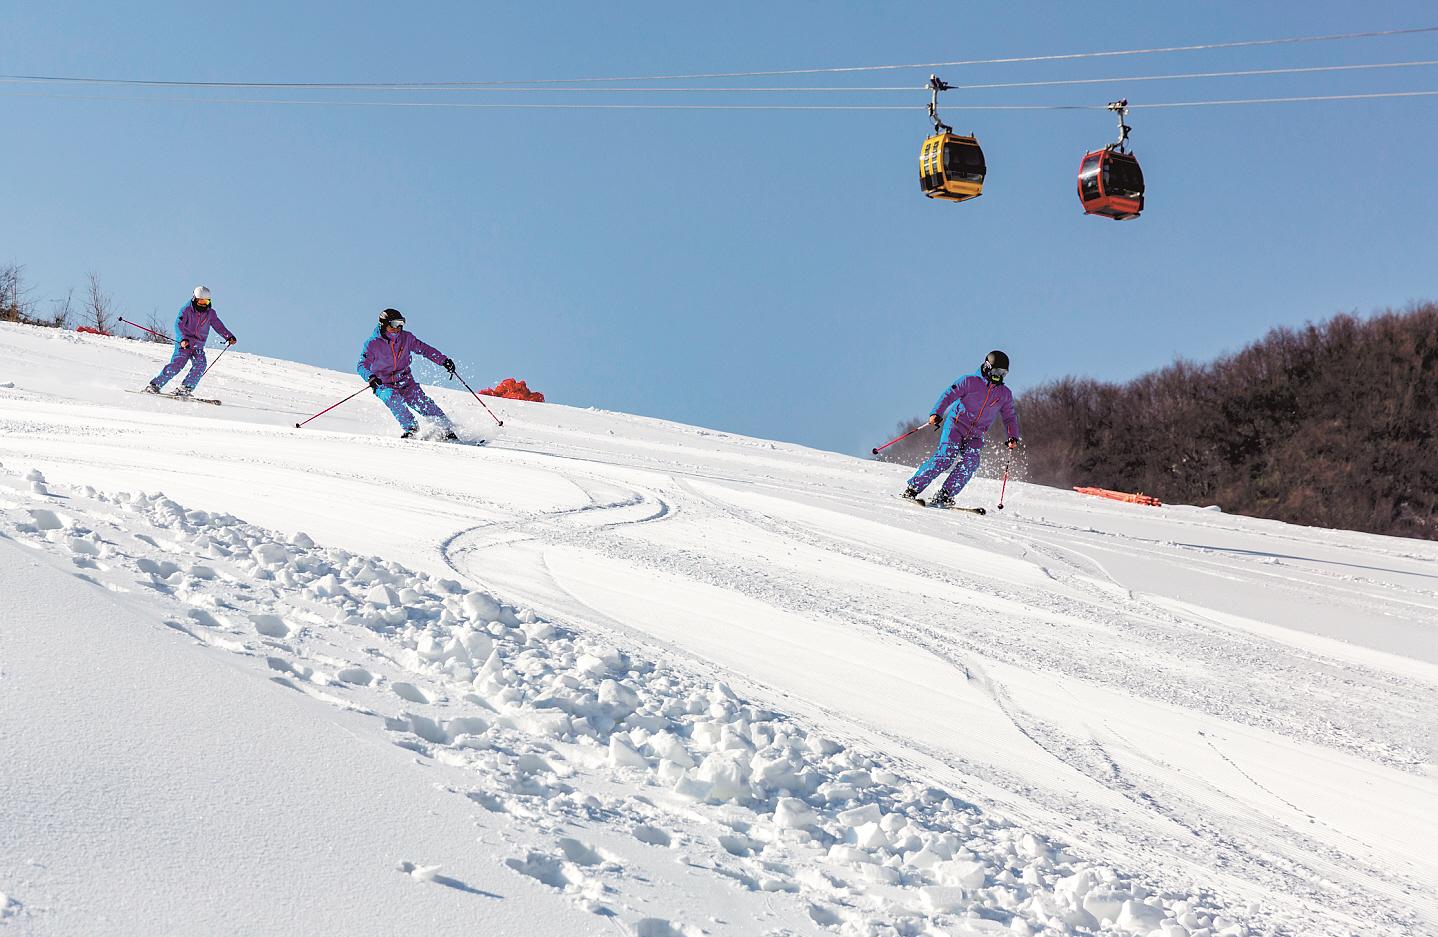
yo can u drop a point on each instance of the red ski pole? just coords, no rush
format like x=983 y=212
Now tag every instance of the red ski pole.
x=911 y=432
x=477 y=397
x=332 y=406
x=1005 y=486
x=137 y=325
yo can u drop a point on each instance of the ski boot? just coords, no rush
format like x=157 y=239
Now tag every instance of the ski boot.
x=407 y=434
x=183 y=391
x=451 y=435
x=942 y=500
x=910 y=494
x=151 y=388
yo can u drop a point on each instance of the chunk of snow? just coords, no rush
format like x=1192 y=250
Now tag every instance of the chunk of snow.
x=621 y=755
x=381 y=595
x=791 y=813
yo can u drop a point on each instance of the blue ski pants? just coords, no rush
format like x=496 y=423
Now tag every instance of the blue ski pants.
x=194 y=356
x=407 y=395
x=954 y=451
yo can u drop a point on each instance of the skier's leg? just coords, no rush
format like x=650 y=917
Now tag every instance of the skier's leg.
x=177 y=362
x=415 y=396
x=396 y=406
x=959 y=477
x=197 y=367
x=948 y=449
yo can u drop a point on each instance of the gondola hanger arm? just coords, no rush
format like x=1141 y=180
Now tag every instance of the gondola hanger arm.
x=1121 y=109
x=937 y=84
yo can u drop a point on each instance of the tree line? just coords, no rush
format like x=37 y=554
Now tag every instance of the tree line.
x=96 y=310
x=1330 y=425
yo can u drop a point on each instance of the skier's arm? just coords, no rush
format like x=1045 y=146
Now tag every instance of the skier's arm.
x=1011 y=417
x=948 y=397
x=362 y=368
x=179 y=328
x=220 y=327
x=429 y=351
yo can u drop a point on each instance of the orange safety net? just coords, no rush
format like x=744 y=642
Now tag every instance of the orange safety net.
x=1120 y=496
x=513 y=390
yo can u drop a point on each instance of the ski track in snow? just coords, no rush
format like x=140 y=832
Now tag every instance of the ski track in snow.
x=547 y=726
x=1186 y=809
x=1103 y=735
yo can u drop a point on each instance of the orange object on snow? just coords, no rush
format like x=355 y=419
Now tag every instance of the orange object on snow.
x=1120 y=496
x=513 y=390
x=90 y=330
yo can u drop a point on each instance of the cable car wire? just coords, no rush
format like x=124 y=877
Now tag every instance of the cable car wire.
x=792 y=89
x=469 y=85
x=490 y=105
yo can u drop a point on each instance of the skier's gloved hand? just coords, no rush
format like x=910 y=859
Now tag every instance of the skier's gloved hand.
x=1013 y=442
x=231 y=340
x=449 y=365
x=935 y=420
x=184 y=343
x=375 y=382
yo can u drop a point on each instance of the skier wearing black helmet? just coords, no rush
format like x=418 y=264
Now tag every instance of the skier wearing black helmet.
x=384 y=362
x=963 y=414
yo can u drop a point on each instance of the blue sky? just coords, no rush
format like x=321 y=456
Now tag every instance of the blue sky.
x=770 y=273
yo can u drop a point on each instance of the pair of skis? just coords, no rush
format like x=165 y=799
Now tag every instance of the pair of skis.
x=920 y=502
x=170 y=396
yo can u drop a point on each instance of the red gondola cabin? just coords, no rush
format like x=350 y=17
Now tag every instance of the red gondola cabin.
x=1110 y=183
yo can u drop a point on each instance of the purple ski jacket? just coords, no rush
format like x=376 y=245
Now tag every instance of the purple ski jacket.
x=973 y=403
x=193 y=325
x=387 y=356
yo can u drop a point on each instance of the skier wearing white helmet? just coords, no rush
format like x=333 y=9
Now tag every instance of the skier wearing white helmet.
x=192 y=328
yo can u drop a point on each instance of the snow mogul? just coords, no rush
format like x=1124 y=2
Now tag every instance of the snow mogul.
x=963 y=414
x=192 y=328
x=384 y=362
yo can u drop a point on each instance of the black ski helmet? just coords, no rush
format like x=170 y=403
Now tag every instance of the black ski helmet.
x=995 y=367
x=391 y=318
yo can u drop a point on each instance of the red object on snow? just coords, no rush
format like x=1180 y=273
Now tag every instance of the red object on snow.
x=88 y=330
x=513 y=390
x=1139 y=498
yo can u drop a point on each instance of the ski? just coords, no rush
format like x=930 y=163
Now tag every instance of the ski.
x=979 y=511
x=920 y=502
x=146 y=393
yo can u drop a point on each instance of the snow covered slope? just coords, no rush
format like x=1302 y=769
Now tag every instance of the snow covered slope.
x=607 y=674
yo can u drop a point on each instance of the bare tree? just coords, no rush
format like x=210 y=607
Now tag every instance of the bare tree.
x=61 y=310
x=155 y=325
x=16 y=303
x=99 y=306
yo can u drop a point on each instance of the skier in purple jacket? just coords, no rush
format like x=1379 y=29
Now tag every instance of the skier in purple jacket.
x=192 y=328
x=384 y=362
x=966 y=411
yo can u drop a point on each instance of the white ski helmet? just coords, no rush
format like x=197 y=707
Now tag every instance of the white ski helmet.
x=201 y=292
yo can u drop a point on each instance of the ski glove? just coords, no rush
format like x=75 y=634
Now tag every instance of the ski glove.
x=375 y=382
x=1013 y=442
x=231 y=340
x=935 y=420
x=449 y=365
x=184 y=343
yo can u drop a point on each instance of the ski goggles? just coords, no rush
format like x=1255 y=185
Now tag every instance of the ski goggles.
x=202 y=302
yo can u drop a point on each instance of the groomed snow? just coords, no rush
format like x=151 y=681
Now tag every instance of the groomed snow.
x=607 y=674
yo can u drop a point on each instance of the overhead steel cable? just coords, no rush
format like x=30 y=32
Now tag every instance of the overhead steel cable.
x=530 y=106
x=469 y=85
x=792 y=89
